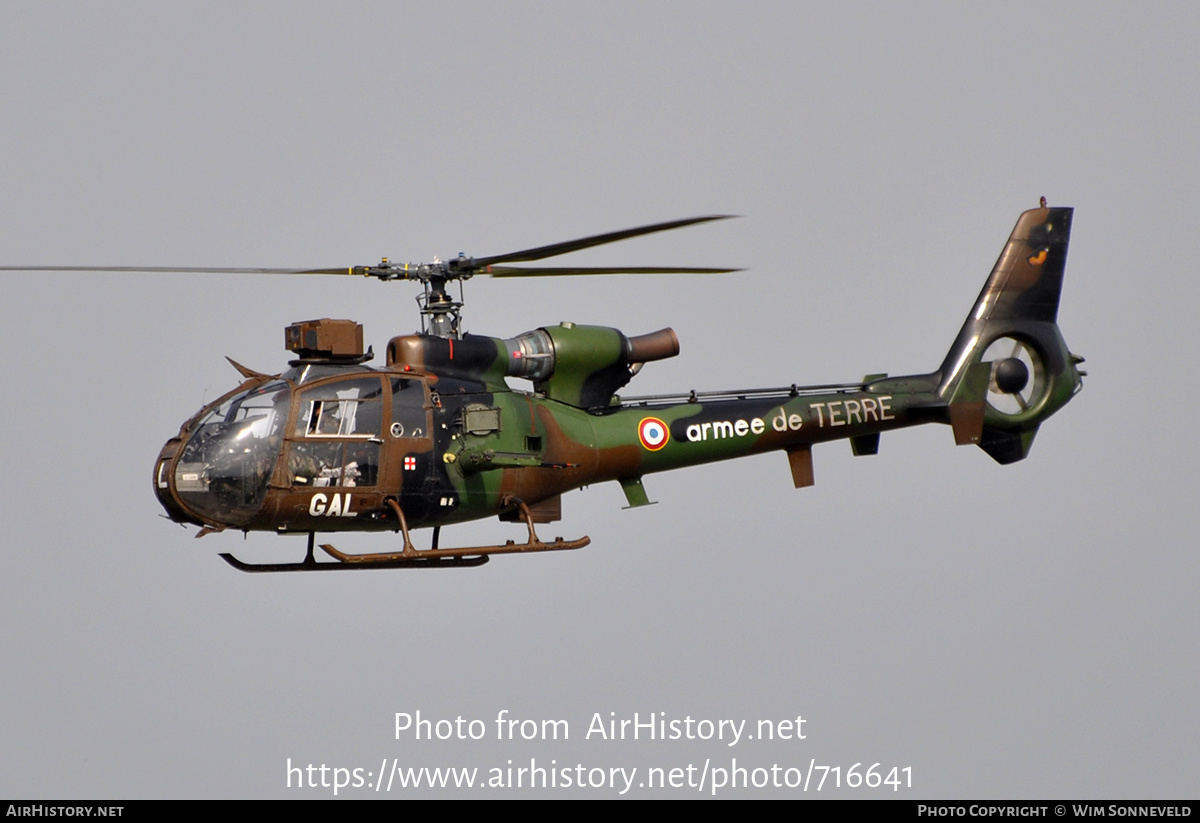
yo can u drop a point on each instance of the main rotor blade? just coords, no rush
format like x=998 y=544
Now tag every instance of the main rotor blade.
x=181 y=269
x=554 y=249
x=524 y=271
x=481 y=265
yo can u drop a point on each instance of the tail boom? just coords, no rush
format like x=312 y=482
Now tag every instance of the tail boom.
x=1008 y=370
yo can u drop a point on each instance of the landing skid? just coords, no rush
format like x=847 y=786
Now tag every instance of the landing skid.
x=311 y=565
x=410 y=557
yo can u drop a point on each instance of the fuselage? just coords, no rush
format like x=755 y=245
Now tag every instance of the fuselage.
x=322 y=447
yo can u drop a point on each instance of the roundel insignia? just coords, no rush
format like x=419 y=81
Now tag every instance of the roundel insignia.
x=653 y=433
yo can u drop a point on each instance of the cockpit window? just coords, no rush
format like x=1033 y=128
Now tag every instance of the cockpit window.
x=345 y=408
x=224 y=468
x=338 y=434
x=252 y=404
x=408 y=408
x=349 y=463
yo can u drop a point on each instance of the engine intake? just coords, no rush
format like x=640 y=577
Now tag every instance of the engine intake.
x=584 y=365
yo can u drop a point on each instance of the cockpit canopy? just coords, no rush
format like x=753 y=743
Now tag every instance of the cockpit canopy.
x=227 y=461
x=342 y=417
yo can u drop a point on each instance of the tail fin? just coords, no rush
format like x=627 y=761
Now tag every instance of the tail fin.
x=1009 y=369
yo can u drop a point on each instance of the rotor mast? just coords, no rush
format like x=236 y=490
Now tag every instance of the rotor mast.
x=440 y=312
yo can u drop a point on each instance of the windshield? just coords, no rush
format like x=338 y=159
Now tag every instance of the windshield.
x=225 y=466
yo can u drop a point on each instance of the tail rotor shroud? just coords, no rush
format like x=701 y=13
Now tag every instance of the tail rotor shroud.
x=1017 y=380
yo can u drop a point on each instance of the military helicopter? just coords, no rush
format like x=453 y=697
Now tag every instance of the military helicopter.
x=436 y=435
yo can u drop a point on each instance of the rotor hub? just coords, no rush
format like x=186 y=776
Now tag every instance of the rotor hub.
x=1012 y=376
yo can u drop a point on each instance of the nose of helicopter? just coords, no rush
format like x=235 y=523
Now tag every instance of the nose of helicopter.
x=163 y=477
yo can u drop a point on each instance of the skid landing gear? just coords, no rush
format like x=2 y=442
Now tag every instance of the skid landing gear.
x=411 y=557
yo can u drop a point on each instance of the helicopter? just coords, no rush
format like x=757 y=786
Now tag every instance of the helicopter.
x=437 y=436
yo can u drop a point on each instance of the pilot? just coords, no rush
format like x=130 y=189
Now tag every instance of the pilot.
x=329 y=421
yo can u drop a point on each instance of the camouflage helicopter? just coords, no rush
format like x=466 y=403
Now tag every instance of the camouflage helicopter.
x=436 y=435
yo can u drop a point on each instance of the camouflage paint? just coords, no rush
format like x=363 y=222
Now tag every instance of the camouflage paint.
x=484 y=446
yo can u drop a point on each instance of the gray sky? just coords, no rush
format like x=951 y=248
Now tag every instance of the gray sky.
x=1021 y=631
